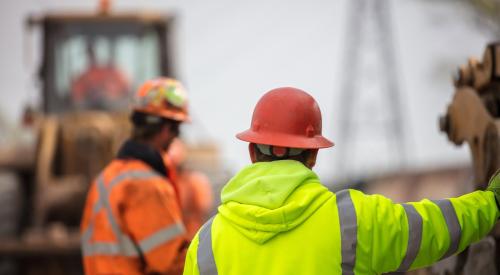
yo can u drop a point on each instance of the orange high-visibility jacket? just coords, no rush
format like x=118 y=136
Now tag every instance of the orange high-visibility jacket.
x=131 y=222
x=196 y=199
x=195 y=195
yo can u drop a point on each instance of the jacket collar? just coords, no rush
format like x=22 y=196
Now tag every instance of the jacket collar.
x=135 y=150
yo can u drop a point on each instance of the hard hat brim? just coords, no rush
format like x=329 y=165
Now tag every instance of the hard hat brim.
x=285 y=140
x=173 y=115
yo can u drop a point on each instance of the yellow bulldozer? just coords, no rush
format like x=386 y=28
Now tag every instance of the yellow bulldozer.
x=473 y=118
x=91 y=64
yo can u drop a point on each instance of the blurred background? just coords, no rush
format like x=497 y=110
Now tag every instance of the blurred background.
x=381 y=71
x=228 y=53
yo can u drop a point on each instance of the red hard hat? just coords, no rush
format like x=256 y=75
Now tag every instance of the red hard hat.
x=286 y=117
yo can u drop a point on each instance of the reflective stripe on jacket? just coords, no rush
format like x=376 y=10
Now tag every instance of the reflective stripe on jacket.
x=131 y=222
x=276 y=218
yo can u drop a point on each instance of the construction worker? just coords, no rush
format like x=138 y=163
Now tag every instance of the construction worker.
x=132 y=222
x=100 y=86
x=277 y=218
x=194 y=189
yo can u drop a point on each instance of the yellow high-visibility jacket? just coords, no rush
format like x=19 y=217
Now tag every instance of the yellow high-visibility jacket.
x=276 y=218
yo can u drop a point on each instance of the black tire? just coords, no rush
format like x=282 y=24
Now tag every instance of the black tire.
x=10 y=215
x=10 y=205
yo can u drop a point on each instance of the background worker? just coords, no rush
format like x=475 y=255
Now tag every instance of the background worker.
x=100 y=85
x=277 y=218
x=132 y=222
x=195 y=190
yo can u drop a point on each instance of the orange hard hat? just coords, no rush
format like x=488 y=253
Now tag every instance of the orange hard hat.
x=163 y=97
x=286 y=117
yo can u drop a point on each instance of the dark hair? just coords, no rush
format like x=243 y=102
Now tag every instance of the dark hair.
x=269 y=156
x=146 y=126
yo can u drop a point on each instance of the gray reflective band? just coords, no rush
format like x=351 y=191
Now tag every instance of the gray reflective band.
x=454 y=229
x=97 y=206
x=134 y=174
x=348 y=230
x=128 y=247
x=124 y=245
x=104 y=249
x=111 y=248
x=161 y=236
x=87 y=234
x=85 y=240
x=414 y=236
x=138 y=174
x=205 y=254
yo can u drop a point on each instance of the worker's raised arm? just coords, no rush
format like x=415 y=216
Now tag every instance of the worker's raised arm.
x=400 y=237
x=161 y=241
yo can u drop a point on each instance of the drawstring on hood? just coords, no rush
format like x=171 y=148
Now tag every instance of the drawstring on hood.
x=268 y=198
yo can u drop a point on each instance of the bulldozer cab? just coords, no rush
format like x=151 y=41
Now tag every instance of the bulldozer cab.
x=96 y=61
x=91 y=65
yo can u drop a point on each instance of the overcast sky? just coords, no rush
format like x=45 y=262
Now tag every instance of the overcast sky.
x=230 y=52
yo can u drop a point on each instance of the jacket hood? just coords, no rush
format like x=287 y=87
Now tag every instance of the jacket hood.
x=267 y=198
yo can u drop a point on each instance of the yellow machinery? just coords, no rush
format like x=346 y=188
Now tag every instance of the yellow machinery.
x=91 y=64
x=473 y=117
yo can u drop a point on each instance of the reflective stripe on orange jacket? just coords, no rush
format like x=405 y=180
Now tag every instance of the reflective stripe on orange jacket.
x=131 y=222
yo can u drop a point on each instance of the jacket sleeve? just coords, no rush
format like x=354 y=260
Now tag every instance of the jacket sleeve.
x=191 y=265
x=400 y=237
x=153 y=220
